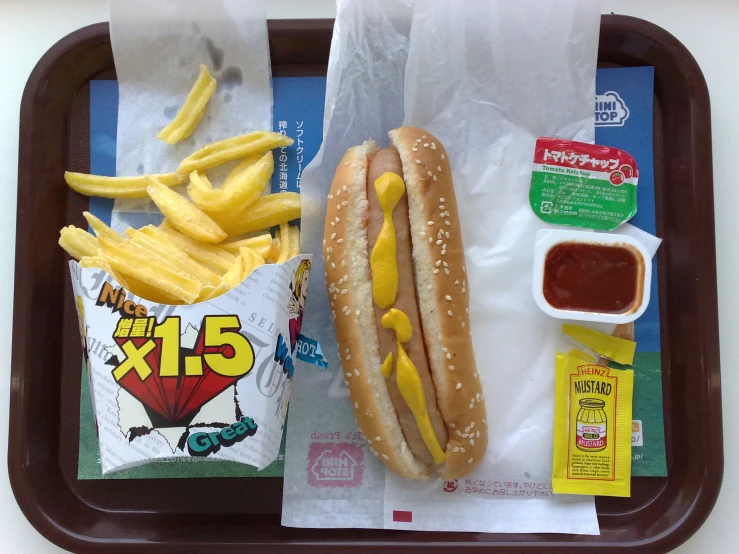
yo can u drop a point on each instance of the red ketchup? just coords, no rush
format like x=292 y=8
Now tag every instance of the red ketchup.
x=591 y=277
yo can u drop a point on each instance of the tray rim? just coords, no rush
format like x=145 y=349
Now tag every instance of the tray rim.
x=99 y=33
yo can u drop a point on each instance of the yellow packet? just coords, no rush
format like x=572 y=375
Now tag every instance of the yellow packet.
x=592 y=428
x=614 y=348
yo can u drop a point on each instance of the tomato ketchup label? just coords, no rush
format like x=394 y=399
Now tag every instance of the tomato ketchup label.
x=583 y=185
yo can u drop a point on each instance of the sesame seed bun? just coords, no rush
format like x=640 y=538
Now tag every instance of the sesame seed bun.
x=442 y=294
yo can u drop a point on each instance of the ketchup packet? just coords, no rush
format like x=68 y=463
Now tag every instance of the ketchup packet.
x=583 y=185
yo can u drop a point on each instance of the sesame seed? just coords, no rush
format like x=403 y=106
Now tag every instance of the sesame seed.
x=451 y=368
x=456 y=282
x=448 y=356
x=333 y=236
x=448 y=222
x=420 y=207
x=442 y=156
x=439 y=168
x=429 y=173
x=444 y=349
x=443 y=251
x=418 y=140
x=330 y=196
x=388 y=457
x=378 y=439
x=356 y=372
x=467 y=429
x=446 y=233
x=357 y=313
x=478 y=433
x=324 y=242
x=459 y=386
x=333 y=224
x=436 y=272
x=348 y=374
x=442 y=200
x=348 y=356
x=423 y=136
x=438 y=242
x=344 y=291
x=356 y=405
x=448 y=297
x=446 y=264
x=470 y=460
x=464 y=269
x=475 y=376
x=485 y=421
x=338 y=193
x=340 y=241
x=414 y=149
x=435 y=178
x=430 y=223
x=430 y=287
x=418 y=161
x=343 y=188
x=438 y=263
x=333 y=265
x=459 y=432
x=433 y=146
x=431 y=239
x=463 y=325
x=452 y=425
x=465 y=435
x=341 y=281
x=467 y=310
x=472 y=406
x=461 y=449
x=337 y=219
x=330 y=250
x=464 y=289
x=343 y=263
x=425 y=144
x=477 y=396
x=344 y=203
x=456 y=449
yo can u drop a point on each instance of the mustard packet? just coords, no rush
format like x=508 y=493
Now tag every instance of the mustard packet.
x=614 y=348
x=592 y=428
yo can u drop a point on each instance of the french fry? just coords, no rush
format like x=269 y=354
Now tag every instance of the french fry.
x=247 y=261
x=222 y=151
x=177 y=258
x=268 y=211
x=276 y=247
x=150 y=293
x=183 y=214
x=77 y=242
x=133 y=260
x=217 y=259
x=286 y=247
x=102 y=230
x=201 y=191
x=99 y=262
x=239 y=168
x=294 y=241
x=117 y=187
x=261 y=244
x=240 y=192
x=192 y=110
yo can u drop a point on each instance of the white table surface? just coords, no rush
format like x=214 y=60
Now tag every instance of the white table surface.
x=708 y=29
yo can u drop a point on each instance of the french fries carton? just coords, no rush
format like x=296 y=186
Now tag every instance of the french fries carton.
x=207 y=381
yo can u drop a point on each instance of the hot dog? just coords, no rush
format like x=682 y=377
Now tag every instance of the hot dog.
x=397 y=287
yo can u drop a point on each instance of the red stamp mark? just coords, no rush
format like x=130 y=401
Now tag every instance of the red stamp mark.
x=450 y=486
x=339 y=464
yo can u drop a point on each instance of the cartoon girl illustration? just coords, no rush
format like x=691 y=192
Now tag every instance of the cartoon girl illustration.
x=296 y=304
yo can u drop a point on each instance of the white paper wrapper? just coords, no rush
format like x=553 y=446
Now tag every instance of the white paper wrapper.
x=154 y=410
x=487 y=81
x=158 y=47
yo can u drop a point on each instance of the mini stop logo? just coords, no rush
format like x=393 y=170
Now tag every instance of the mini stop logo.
x=335 y=464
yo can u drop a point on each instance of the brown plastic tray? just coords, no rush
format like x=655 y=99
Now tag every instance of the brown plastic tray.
x=224 y=515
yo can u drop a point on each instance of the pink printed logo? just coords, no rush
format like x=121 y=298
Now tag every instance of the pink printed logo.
x=338 y=464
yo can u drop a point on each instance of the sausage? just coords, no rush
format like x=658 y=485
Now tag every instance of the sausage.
x=388 y=160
